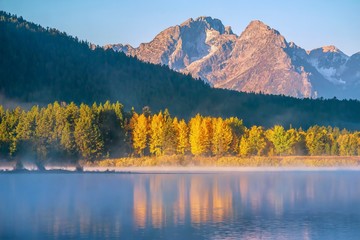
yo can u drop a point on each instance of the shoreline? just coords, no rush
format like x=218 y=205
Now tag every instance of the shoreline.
x=181 y=169
x=186 y=164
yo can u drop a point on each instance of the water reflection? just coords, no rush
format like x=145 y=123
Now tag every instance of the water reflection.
x=303 y=205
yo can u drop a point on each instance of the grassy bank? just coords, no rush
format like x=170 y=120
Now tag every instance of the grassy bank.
x=283 y=161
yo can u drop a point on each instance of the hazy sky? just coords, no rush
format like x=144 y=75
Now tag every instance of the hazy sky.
x=309 y=23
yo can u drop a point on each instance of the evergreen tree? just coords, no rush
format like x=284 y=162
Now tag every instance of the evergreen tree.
x=87 y=134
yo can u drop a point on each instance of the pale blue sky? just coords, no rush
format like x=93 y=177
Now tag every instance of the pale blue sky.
x=310 y=24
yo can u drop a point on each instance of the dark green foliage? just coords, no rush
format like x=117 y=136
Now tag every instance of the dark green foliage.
x=62 y=132
x=45 y=65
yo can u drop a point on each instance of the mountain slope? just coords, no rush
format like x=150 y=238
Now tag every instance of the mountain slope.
x=40 y=65
x=263 y=66
x=259 y=60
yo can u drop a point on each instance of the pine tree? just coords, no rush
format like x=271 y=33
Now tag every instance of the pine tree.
x=44 y=132
x=87 y=134
x=25 y=130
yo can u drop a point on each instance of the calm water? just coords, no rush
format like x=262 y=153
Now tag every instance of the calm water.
x=245 y=205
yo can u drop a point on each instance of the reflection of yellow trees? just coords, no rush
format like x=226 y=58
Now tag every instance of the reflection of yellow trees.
x=142 y=199
x=179 y=208
x=202 y=199
x=199 y=200
x=222 y=201
x=156 y=201
x=140 y=204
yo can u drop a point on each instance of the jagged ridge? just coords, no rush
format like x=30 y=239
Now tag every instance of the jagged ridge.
x=259 y=60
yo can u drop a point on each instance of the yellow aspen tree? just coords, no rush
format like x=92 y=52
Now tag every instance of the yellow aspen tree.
x=254 y=142
x=206 y=135
x=282 y=140
x=170 y=140
x=244 y=146
x=182 y=137
x=196 y=146
x=139 y=133
x=294 y=140
x=157 y=134
x=175 y=125
x=222 y=137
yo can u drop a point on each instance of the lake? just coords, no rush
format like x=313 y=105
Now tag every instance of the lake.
x=239 y=205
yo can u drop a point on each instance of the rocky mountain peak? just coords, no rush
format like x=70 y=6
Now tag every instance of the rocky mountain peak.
x=228 y=30
x=259 y=32
x=204 y=21
x=330 y=48
x=257 y=27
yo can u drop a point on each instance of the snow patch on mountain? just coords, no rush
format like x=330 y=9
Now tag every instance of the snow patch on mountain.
x=330 y=73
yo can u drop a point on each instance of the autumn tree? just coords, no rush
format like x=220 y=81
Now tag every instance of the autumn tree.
x=282 y=140
x=206 y=135
x=237 y=130
x=139 y=133
x=196 y=144
x=182 y=136
x=221 y=138
x=253 y=142
x=317 y=140
x=170 y=140
x=157 y=136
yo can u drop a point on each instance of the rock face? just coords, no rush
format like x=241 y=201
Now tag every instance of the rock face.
x=259 y=60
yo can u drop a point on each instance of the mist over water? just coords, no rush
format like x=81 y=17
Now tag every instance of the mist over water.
x=245 y=205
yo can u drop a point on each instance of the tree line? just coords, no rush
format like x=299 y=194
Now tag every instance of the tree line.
x=69 y=132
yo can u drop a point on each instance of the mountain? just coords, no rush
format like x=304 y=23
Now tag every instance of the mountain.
x=40 y=66
x=259 y=60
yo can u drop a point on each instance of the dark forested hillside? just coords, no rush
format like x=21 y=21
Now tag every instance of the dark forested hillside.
x=40 y=66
